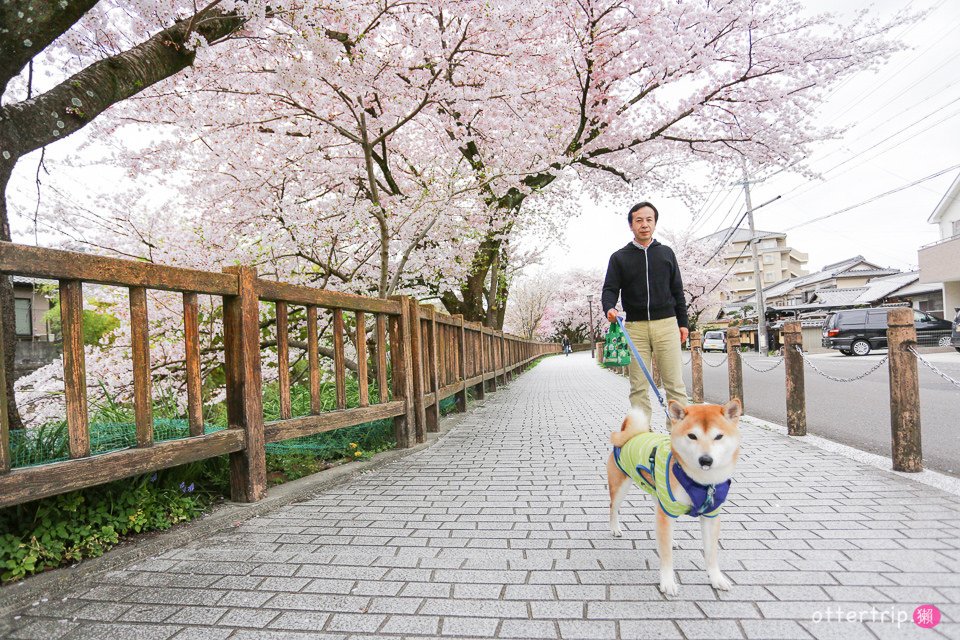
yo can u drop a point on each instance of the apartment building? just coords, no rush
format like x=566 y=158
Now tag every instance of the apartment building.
x=778 y=260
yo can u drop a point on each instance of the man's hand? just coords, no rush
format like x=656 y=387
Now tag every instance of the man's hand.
x=612 y=315
x=684 y=333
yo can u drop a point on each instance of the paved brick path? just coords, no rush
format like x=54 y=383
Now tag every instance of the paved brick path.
x=500 y=530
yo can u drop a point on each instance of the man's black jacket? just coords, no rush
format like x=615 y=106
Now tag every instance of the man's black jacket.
x=647 y=281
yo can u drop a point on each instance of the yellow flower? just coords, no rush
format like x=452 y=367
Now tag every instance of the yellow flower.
x=357 y=453
x=353 y=445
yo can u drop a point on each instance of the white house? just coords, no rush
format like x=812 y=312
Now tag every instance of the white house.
x=940 y=261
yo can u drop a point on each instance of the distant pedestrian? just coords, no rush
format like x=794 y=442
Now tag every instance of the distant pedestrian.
x=567 y=349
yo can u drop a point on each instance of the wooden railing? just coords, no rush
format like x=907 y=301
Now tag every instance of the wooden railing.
x=431 y=356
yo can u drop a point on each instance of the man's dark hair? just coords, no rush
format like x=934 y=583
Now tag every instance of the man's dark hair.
x=641 y=205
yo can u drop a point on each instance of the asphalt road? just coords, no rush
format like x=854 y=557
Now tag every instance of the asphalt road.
x=852 y=413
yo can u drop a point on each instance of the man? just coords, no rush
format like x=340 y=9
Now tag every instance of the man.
x=645 y=276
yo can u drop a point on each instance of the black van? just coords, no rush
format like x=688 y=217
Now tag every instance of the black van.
x=955 y=336
x=859 y=331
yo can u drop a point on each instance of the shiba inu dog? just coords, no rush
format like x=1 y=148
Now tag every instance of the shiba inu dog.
x=686 y=472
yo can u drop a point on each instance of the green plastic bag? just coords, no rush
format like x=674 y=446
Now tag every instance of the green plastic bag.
x=616 y=351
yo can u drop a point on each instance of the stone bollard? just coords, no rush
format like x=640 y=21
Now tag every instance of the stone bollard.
x=696 y=366
x=734 y=367
x=904 y=391
x=793 y=364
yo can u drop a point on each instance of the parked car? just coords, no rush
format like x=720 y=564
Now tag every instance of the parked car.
x=859 y=331
x=714 y=341
x=955 y=334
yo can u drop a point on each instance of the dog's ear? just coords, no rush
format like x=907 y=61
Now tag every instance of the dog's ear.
x=676 y=411
x=733 y=410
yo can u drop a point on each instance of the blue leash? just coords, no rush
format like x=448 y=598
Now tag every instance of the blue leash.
x=643 y=367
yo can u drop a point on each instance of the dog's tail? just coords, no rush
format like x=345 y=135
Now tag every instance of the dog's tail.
x=636 y=422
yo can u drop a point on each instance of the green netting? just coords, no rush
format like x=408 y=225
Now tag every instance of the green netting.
x=31 y=447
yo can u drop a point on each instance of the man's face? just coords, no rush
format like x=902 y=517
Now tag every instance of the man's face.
x=643 y=225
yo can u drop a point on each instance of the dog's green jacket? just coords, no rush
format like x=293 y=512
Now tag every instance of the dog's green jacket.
x=651 y=452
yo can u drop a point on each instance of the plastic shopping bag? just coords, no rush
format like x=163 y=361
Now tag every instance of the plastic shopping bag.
x=616 y=351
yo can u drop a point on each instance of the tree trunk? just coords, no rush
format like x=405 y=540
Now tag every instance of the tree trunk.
x=7 y=315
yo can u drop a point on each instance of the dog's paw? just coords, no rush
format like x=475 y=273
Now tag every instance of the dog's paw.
x=617 y=533
x=668 y=585
x=720 y=582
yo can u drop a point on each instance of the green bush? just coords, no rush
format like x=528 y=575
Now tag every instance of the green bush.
x=62 y=529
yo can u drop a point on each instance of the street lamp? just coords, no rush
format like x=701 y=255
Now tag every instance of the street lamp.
x=593 y=335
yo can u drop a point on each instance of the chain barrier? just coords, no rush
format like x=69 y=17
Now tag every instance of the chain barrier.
x=834 y=378
x=930 y=366
x=708 y=363
x=775 y=365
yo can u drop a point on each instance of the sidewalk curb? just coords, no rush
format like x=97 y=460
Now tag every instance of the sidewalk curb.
x=51 y=584
x=948 y=484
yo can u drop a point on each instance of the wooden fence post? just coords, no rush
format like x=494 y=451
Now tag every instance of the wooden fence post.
x=462 y=342
x=417 y=359
x=793 y=364
x=489 y=357
x=696 y=366
x=74 y=368
x=734 y=367
x=402 y=367
x=241 y=338
x=479 y=390
x=904 y=391
x=503 y=356
x=4 y=418
x=433 y=370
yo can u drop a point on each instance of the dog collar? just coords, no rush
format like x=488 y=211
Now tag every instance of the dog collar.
x=705 y=497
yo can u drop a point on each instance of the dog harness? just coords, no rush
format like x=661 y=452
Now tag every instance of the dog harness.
x=651 y=452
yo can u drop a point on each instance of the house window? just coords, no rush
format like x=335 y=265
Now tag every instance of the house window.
x=22 y=311
x=768 y=259
x=769 y=244
x=769 y=276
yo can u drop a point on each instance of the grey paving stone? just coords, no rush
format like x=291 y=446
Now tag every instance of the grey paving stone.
x=120 y=631
x=203 y=633
x=44 y=629
x=356 y=622
x=256 y=619
x=411 y=625
x=528 y=629
x=647 y=629
x=477 y=627
x=300 y=621
x=587 y=629
x=710 y=629
x=774 y=630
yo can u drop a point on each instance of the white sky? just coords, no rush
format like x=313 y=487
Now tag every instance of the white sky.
x=918 y=84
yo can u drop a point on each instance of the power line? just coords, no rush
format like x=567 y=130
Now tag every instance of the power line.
x=812 y=184
x=876 y=197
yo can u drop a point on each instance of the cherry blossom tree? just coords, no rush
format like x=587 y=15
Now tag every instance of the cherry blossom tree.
x=568 y=312
x=703 y=281
x=63 y=64
x=638 y=92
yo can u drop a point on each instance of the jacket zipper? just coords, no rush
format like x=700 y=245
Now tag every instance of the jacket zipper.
x=646 y=261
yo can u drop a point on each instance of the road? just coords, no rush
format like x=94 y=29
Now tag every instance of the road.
x=852 y=413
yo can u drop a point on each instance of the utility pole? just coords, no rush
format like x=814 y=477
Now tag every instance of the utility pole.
x=593 y=335
x=761 y=311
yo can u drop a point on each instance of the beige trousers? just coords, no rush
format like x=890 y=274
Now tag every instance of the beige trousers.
x=656 y=340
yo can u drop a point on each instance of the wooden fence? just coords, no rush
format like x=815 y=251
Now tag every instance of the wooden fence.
x=432 y=356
